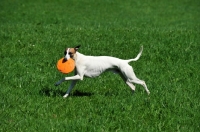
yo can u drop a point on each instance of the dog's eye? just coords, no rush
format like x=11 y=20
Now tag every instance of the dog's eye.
x=70 y=53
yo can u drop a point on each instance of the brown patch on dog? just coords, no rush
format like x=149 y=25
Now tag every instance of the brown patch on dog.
x=72 y=51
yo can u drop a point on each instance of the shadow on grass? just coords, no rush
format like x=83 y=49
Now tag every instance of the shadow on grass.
x=54 y=93
x=80 y=93
x=51 y=92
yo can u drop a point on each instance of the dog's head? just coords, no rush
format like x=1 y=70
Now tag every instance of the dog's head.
x=70 y=52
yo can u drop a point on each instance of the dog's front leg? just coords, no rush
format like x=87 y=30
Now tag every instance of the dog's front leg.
x=59 y=82
x=73 y=83
x=76 y=77
x=74 y=80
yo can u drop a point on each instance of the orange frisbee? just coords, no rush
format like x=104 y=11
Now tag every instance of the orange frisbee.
x=65 y=66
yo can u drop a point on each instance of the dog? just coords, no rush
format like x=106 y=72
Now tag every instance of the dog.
x=93 y=66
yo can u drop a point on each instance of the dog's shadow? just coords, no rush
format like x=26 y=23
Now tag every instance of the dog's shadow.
x=55 y=93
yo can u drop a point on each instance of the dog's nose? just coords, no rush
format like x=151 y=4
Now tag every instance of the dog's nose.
x=65 y=59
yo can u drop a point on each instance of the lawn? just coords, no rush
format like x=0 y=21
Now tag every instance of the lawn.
x=35 y=33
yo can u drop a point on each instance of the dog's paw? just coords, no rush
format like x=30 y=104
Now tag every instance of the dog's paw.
x=65 y=96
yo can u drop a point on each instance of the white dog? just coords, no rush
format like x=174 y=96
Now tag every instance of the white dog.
x=93 y=66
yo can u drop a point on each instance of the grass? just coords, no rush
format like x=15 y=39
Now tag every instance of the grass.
x=34 y=34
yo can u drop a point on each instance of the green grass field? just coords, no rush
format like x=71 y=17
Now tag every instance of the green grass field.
x=34 y=34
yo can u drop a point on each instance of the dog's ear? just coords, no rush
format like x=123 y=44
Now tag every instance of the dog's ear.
x=77 y=47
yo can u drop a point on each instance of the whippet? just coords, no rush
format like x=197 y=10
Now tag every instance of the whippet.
x=93 y=66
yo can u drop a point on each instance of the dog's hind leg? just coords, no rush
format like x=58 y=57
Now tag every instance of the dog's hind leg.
x=131 y=78
x=131 y=85
x=127 y=82
x=141 y=82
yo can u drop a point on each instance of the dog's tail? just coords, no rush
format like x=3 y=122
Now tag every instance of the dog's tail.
x=137 y=57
